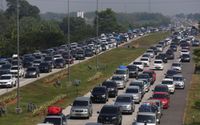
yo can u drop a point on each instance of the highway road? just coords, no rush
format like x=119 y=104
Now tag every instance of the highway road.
x=25 y=81
x=172 y=116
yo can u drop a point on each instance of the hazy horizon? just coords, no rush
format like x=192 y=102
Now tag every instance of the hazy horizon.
x=166 y=7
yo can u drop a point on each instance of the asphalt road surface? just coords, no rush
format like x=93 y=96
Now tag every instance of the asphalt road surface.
x=172 y=116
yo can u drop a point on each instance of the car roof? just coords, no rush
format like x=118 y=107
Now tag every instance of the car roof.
x=167 y=79
x=7 y=75
x=82 y=98
x=115 y=106
x=146 y=113
x=133 y=87
x=125 y=95
x=178 y=75
x=164 y=93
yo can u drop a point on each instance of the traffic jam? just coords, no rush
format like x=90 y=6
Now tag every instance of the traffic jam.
x=136 y=94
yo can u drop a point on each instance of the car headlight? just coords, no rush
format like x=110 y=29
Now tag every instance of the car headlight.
x=85 y=110
x=113 y=118
x=128 y=106
x=104 y=96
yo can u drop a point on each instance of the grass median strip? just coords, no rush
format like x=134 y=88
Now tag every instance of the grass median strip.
x=41 y=92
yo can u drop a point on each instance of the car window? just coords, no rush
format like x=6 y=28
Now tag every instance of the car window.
x=54 y=121
x=109 y=110
x=80 y=103
x=123 y=99
x=132 y=90
x=146 y=119
x=167 y=82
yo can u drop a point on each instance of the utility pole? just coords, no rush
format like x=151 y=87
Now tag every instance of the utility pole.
x=18 y=109
x=97 y=31
x=68 y=39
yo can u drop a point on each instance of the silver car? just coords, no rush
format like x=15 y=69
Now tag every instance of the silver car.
x=82 y=107
x=126 y=103
x=179 y=81
x=120 y=80
x=146 y=118
x=136 y=92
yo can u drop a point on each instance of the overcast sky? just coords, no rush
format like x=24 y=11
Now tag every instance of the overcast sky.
x=167 y=7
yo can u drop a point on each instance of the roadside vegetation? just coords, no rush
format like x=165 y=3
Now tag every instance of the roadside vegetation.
x=46 y=91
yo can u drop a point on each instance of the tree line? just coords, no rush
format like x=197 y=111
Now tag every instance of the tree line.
x=37 y=33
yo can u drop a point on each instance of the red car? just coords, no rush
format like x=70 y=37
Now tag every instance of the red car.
x=151 y=73
x=163 y=97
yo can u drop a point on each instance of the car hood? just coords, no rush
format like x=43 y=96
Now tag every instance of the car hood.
x=139 y=123
x=79 y=107
x=122 y=103
x=5 y=80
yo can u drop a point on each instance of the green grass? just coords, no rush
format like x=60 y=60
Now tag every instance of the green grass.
x=192 y=113
x=43 y=90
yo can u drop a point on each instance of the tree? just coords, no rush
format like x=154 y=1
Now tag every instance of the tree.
x=25 y=8
x=107 y=21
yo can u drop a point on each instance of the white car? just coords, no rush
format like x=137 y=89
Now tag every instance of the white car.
x=145 y=60
x=179 y=81
x=158 y=64
x=159 y=47
x=139 y=64
x=170 y=84
x=8 y=80
x=14 y=71
x=185 y=51
x=150 y=52
x=177 y=66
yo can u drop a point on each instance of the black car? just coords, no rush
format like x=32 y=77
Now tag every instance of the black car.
x=89 y=52
x=99 y=94
x=45 y=67
x=59 y=63
x=110 y=114
x=170 y=73
x=5 y=69
x=173 y=47
x=162 y=56
x=161 y=88
x=111 y=87
x=49 y=59
x=80 y=55
x=170 y=54
x=185 y=58
x=32 y=72
x=133 y=71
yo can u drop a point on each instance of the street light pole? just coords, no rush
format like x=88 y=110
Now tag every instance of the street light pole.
x=18 y=109
x=68 y=38
x=97 y=31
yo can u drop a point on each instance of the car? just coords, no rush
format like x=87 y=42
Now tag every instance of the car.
x=163 y=97
x=8 y=81
x=170 y=73
x=161 y=88
x=55 y=116
x=133 y=71
x=80 y=55
x=110 y=114
x=123 y=71
x=81 y=108
x=147 y=85
x=195 y=43
x=152 y=74
x=136 y=92
x=177 y=66
x=169 y=82
x=145 y=60
x=32 y=72
x=150 y=52
x=45 y=67
x=139 y=64
x=145 y=77
x=179 y=81
x=158 y=65
x=184 y=51
x=120 y=80
x=14 y=71
x=162 y=56
x=159 y=47
x=5 y=69
x=170 y=54
x=140 y=84
x=159 y=105
x=112 y=87
x=89 y=52
x=185 y=58
x=68 y=58
x=48 y=59
x=146 y=118
x=99 y=94
x=126 y=103
x=59 y=63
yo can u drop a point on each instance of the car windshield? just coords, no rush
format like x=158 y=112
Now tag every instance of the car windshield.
x=54 y=121
x=14 y=68
x=158 y=62
x=144 y=59
x=48 y=59
x=132 y=68
x=146 y=119
x=59 y=61
x=5 y=66
x=132 y=90
x=171 y=72
x=5 y=77
x=37 y=62
x=31 y=69
x=161 y=89
x=160 y=96
x=117 y=78
x=178 y=78
x=176 y=64
x=123 y=99
x=108 y=110
x=80 y=103
x=99 y=90
x=119 y=71
x=186 y=55
x=137 y=63
x=167 y=82
x=143 y=76
x=109 y=84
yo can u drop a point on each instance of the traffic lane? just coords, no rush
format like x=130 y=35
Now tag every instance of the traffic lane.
x=127 y=119
x=25 y=81
x=175 y=114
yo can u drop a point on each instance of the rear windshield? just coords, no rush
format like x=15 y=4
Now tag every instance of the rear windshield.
x=146 y=119
x=123 y=99
x=109 y=110
x=132 y=90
